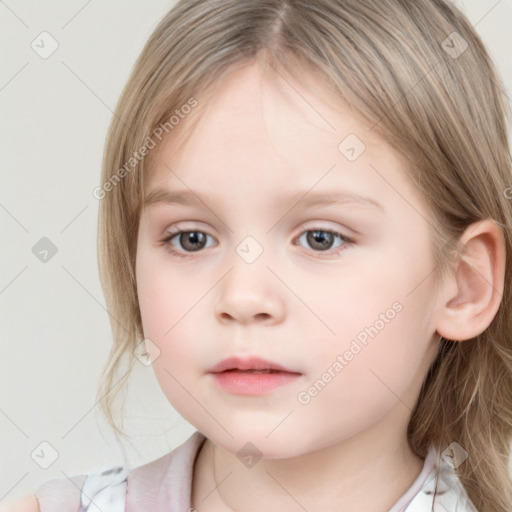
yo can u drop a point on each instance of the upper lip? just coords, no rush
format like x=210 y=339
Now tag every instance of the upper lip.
x=248 y=363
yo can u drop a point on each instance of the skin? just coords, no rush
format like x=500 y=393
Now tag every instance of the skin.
x=259 y=137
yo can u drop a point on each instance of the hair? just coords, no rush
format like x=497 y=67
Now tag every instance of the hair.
x=445 y=113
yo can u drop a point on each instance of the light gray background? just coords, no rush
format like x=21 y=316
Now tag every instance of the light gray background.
x=54 y=328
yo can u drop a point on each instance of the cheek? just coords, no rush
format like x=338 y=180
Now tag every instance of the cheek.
x=165 y=323
x=381 y=344
x=166 y=314
x=355 y=383
x=166 y=310
x=165 y=296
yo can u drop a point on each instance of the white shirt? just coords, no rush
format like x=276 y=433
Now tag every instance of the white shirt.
x=165 y=484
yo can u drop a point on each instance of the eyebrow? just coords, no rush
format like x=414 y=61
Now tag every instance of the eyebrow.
x=302 y=198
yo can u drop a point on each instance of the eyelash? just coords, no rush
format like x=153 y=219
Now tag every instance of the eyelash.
x=332 y=252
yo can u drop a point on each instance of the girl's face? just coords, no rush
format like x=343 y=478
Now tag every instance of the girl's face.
x=268 y=177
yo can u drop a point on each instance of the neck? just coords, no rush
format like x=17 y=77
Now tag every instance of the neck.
x=373 y=469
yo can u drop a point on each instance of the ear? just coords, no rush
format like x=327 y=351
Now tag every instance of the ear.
x=472 y=295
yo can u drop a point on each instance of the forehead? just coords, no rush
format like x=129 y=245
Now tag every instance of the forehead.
x=263 y=127
x=253 y=94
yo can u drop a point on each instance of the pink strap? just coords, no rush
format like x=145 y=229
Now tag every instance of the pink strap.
x=164 y=484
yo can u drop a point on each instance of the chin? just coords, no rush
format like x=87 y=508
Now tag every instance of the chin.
x=253 y=442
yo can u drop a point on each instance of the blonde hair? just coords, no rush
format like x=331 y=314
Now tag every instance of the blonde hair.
x=405 y=67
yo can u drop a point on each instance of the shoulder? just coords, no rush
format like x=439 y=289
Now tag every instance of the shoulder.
x=27 y=503
x=106 y=489
x=59 y=494
x=113 y=489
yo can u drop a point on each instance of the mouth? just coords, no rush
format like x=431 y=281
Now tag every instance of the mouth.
x=252 y=371
x=251 y=364
x=254 y=376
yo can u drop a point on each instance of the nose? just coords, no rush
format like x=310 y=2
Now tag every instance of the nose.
x=250 y=293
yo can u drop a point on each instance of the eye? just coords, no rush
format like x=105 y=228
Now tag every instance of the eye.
x=190 y=241
x=321 y=240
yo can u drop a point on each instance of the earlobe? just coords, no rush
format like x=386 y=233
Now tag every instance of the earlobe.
x=475 y=290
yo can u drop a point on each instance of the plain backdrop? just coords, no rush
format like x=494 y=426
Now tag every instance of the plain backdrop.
x=55 y=331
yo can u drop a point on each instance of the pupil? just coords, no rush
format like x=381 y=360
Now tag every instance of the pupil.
x=320 y=237
x=191 y=239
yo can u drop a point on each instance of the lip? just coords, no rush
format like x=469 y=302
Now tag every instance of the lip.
x=248 y=363
x=234 y=375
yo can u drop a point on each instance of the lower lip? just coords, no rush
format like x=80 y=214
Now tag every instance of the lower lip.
x=247 y=383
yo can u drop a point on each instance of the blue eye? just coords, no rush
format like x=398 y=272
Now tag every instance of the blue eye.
x=320 y=240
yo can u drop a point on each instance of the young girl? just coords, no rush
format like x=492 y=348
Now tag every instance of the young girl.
x=304 y=227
